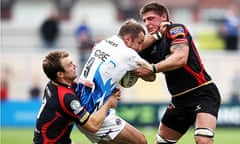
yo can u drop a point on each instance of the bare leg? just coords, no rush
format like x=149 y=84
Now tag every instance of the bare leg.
x=168 y=133
x=205 y=120
x=129 y=135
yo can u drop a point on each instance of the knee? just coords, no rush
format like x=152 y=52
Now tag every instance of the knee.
x=160 y=140
x=203 y=136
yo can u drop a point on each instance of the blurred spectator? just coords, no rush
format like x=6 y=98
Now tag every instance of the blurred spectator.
x=35 y=88
x=5 y=75
x=4 y=89
x=85 y=42
x=64 y=8
x=127 y=9
x=229 y=29
x=6 y=9
x=49 y=30
x=35 y=92
x=235 y=93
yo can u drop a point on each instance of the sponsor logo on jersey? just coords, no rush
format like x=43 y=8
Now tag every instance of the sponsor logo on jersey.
x=76 y=106
x=176 y=31
x=84 y=117
x=118 y=121
x=101 y=55
x=198 y=107
x=111 y=43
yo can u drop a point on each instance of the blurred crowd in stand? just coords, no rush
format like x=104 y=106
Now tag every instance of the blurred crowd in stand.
x=235 y=87
x=229 y=29
x=85 y=42
x=5 y=76
x=50 y=29
x=4 y=90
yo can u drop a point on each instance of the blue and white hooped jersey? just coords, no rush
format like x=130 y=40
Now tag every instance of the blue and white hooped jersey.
x=109 y=61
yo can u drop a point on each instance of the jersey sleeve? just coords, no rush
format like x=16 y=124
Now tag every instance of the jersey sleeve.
x=178 y=34
x=133 y=58
x=75 y=109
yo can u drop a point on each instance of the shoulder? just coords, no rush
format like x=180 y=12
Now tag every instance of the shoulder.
x=130 y=50
x=66 y=94
x=130 y=54
x=71 y=103
x=176 y=25
x=70 y=100
x=176 y=30
x=109 y=42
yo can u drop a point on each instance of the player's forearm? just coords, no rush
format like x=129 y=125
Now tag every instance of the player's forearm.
x=96 y=119
x=177 y=59
x=148 y=41
x=172 y=62
x=166 y=65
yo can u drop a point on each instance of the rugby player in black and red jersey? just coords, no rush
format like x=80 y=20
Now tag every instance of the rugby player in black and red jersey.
x=61 y=108
x=195 y=97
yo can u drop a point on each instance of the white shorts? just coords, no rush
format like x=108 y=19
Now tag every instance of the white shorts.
x=111 y=127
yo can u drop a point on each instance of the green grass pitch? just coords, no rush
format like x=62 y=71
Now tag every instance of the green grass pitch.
x=24 y=136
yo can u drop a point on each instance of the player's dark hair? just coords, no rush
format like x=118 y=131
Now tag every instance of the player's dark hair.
x=51 y=64
x=131 y=27
x=159 y=9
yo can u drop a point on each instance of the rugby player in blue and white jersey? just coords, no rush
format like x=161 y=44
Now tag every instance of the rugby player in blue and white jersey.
x=109 y=61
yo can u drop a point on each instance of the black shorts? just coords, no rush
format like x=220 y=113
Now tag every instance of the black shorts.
x=181 y=112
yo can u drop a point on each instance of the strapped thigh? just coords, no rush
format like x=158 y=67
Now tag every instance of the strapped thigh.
x=161 y=140
x=205 y=132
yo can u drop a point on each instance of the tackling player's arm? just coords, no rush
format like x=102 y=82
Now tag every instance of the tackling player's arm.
x=150 y=76
x=177 y=58
x=144 y=66
x=149 y=39
x=95 y=120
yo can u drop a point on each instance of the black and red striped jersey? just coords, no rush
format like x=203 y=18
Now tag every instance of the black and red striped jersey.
x=192 y=74
x=59 y=110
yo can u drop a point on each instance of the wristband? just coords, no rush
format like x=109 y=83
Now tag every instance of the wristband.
x=157 y=36
x=154 y=69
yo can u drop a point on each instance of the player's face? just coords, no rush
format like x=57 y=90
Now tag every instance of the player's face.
x=152 y=21
x=70 y=69
x=136 y=43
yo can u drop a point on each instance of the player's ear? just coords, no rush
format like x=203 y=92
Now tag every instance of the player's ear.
x=60 y=74
x=164 y=17
x=127 y=39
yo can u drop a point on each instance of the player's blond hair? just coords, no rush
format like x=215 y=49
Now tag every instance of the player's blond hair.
x=131 y=27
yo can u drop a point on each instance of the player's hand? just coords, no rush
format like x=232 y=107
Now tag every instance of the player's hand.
x=141 y=72
x=114 y=98
x=145 y=65
x=117 y=93
x=163 y=26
